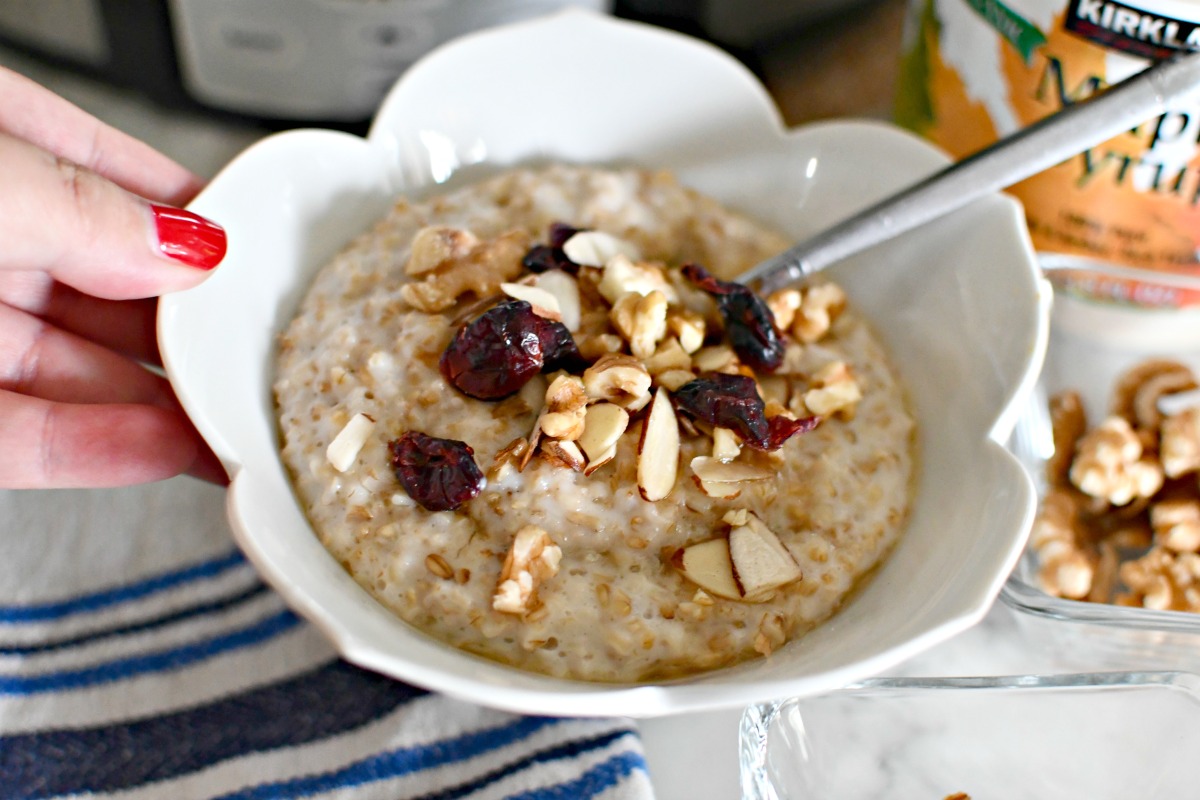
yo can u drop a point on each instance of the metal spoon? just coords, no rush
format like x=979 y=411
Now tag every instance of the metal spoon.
x=1045 y=143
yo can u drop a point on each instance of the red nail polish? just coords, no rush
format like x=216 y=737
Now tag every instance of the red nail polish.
x=188 y=237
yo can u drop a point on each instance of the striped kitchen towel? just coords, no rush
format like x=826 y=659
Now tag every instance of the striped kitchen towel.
x=142 y=657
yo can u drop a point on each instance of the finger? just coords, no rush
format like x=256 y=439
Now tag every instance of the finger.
x=48 y=444
x=92 y=235
x=37 y=115
x=123 y=326
x=39 y=360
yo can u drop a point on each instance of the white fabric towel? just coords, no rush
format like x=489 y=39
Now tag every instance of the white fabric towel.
x=142 y=657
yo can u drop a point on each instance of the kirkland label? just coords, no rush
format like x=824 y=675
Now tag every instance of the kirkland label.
x=970 y=76
x=1132 y=30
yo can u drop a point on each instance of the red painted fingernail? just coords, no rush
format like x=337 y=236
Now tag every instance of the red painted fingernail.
x=188 y=237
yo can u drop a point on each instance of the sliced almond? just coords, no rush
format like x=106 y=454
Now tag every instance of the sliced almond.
x=597 y=248
x=566 y=291
x=726 y=444
x=658 y=450
x=720 y=491
x=563 y=453
x=708 y=565
x=761 y=563
x=600 y=460
x=544 y=303
x=603 y=425
x=714 y=470
x=344 y=448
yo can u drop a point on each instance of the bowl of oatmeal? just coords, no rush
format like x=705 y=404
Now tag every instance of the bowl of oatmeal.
x=662 y=493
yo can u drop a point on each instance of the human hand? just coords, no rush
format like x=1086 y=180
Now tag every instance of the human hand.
x=90 y=234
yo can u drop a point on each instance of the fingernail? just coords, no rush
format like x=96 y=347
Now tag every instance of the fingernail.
x=188 y=237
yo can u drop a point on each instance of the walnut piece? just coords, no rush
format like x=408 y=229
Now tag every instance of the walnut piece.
x=566 y=405
x=835 y=391
x=1109 y=464
x=435 y=245
x=1136 y=393
x=1179 y=447
x=818 y=310
x=480 y=270
x=622 y=276
x=642 y=320
x=1176 y=524
x=1065 y=569
x=619 y=379
x=532 y=559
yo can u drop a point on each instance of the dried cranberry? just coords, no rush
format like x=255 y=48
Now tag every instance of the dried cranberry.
x=497 y=354
x=560 y=232
x=440 y=474
x=545 y=257
x=504 y=347
x=559 y=350
x=748 y=321
x=732 y=401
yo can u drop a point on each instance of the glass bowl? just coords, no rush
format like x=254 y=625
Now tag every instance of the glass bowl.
x=1090 y=735
x=1091 y=344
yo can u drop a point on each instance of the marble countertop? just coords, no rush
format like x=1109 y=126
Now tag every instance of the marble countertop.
x=837 y=69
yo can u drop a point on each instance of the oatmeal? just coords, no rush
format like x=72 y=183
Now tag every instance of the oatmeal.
x=534 y=419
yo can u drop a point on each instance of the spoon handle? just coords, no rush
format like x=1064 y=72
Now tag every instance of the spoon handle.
x=1045 y=143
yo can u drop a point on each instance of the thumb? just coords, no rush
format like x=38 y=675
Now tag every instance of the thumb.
x=89 y=233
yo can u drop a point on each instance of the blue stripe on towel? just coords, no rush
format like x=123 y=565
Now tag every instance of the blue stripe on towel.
x=571 y=749
x=320 y=704
x=599 y=778
x=396 y=763
x=95 y=601
x=160 y=661
x=234 y=600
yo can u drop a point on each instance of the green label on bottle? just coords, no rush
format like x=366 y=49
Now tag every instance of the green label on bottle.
x=1020 y=32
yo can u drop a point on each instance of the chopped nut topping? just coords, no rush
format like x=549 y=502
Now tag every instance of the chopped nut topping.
x=532 y=559
x=784 y=304
x=836 y=392
x=566 y=405
x=726 y=444
x=544 y=303
x=480 y=271
x=619 y=379
x=714 y=470
x=670 y=356
x=596 y=248
x=435 y=245
x=345 y=446
x=688 y=327
x=820 y=307
x=603 y=425
x=1109 y=464
x=715 y=358
x=622 y=276
x=564 y=453
x=642 y=320
x=565 y=290
x=672 y=379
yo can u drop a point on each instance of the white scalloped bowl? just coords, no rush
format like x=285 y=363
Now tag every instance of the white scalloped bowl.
x=959 y=303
